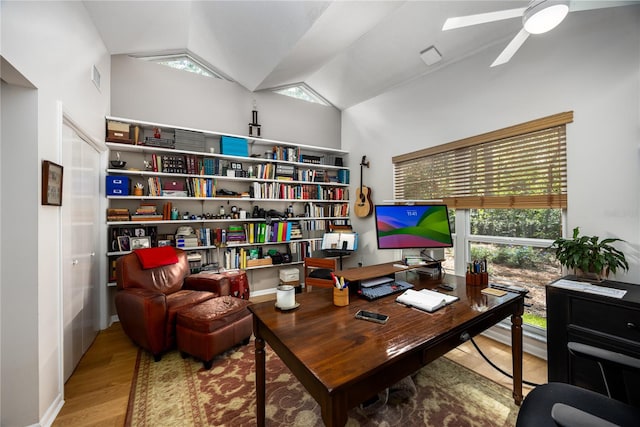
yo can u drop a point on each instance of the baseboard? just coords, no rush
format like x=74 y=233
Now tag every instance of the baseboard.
x=263 y=292
x=50 y=415
x=531 y=343
x=114 y=319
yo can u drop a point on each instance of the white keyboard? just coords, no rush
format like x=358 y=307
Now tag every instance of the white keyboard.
x=367 y=283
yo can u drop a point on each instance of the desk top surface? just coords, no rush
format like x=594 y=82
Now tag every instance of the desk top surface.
x=338 y=349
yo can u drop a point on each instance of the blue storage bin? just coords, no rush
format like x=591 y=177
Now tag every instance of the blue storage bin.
x=117 y=185
x=234 y=146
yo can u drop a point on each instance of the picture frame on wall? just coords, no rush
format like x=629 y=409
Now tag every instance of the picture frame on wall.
x=51 y=183
x=139 y=242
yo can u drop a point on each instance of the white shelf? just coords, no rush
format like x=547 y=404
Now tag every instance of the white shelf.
x=144 y=149
x=237 y=199
x=135 y=154
x=230 y=246
x=135 y=172
x=222 y=220
x=252 y=140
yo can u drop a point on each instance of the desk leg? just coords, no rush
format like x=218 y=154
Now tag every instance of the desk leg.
x=516 y=353
x=260 y=380
x=334 y=412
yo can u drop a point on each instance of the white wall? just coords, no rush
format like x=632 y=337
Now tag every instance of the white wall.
x=590 y=64
x=54 y=45
x=147 y=91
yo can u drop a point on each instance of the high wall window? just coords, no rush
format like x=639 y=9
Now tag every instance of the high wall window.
x=507 y=191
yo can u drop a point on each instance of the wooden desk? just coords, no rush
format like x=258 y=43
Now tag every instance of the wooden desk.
x=342 y=361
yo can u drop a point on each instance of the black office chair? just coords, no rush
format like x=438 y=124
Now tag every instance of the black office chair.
x=566 y=405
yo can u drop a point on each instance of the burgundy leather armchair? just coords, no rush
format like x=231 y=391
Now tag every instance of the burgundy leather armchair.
x=148 y=300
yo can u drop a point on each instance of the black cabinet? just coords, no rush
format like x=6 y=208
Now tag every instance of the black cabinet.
x=601 y=321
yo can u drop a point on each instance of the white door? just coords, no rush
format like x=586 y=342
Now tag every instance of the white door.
x=80 y=231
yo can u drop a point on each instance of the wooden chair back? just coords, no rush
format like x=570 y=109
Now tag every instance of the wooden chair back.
x=311 y=264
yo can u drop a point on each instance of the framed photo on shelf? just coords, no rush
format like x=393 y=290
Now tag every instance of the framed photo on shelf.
x=123 y=243
x=164 y=243
x=139 y=242
x=51 y=183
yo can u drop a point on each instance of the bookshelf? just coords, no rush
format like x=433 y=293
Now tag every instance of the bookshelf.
x=276 y=197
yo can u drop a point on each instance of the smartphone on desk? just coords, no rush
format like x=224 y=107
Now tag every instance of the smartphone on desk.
x=372 y=317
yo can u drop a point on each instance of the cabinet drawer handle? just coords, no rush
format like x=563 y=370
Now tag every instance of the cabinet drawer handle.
x=631 y=325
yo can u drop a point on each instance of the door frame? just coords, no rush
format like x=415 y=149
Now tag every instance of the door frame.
x=66 y=118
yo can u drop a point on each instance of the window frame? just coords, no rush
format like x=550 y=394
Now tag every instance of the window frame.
x=462 y=235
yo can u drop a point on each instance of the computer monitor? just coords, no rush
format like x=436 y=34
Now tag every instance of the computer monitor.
x=412 y=226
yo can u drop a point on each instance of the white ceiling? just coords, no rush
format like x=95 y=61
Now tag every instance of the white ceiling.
x=347 y=51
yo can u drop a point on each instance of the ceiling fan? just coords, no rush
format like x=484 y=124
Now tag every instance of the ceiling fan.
x=539 y=17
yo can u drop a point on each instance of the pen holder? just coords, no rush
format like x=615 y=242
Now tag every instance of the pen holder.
x=340 y=297
x=477 y=279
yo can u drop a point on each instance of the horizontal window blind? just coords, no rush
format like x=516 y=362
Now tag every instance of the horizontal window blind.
x=523 y=166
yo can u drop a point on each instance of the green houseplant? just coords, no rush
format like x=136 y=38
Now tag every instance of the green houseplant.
x=588 y=256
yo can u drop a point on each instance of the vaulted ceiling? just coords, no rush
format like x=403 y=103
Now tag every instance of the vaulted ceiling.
x=347 y=51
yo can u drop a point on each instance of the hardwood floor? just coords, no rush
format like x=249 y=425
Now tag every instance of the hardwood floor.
x=98 y=391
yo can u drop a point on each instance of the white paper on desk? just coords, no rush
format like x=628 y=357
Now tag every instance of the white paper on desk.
x=589 y=288
x=425 y=299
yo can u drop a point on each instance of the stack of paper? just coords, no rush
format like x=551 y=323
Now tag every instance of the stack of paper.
x=425 y=299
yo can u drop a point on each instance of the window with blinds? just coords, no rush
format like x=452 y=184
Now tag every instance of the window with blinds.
x=523 y=166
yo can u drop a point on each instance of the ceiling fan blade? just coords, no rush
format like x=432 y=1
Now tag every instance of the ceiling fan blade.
x=481 y=18
x=576 y=6
x=511 y=48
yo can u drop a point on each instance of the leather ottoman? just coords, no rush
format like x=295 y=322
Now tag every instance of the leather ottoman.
x=212 y=327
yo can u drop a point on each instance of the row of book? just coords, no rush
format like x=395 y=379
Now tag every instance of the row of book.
x=118 y=214
x=200 y=187
x=194 y=165
x=187 y=164
x=249 y=257
x=257 y=232
x=271 y=171
x=168 y=163
x=290 y=154
x=274 y=190
x=327 y=210
x=146 y=212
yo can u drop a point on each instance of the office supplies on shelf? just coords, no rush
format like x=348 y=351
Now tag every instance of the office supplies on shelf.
x=425 y=299
x=384 y=289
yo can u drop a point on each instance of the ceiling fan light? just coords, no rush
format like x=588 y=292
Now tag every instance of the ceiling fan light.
x=544 y=16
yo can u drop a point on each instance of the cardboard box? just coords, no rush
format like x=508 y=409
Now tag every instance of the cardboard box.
x=118 y=132
x=233 y=146
x=258 y=262
x=289 y=275
x=117 y=185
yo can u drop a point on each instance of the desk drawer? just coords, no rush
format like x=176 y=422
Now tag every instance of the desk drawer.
x=614 y=320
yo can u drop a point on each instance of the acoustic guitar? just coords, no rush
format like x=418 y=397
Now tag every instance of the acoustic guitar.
x=363 y=205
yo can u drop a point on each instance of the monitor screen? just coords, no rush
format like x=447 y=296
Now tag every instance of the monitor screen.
x=417 y=226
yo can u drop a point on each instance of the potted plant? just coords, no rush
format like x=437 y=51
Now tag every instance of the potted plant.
x=589 y=257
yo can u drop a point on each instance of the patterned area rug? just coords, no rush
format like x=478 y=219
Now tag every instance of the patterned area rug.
x=179 y=392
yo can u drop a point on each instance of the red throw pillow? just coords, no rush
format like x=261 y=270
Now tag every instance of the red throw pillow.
x=156 y=257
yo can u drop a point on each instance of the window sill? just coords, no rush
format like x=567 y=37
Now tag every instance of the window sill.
x=534 y=340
